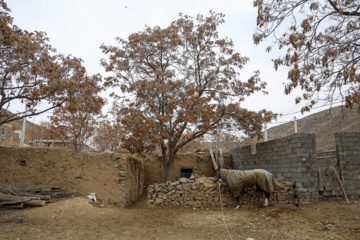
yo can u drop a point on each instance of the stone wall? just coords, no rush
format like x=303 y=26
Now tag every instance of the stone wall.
x=292 y=157
x=199 y=192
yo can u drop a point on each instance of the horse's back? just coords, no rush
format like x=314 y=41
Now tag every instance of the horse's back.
x=265 y=180
x=238 y=179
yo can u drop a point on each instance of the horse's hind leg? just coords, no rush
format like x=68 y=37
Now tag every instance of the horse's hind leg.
x=237 y=202
x=267 y=196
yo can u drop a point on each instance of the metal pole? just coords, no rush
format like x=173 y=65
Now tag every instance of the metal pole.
x=295 y=125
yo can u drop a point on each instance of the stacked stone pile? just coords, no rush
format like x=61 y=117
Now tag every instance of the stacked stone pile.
x=203 y=192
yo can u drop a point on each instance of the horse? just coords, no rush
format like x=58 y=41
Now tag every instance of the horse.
x=237 y=180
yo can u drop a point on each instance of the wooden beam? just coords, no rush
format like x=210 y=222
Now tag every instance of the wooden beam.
x=38 y=196
x=341 y=186
x=37 y=203
x=5 y=197
x=216 y=167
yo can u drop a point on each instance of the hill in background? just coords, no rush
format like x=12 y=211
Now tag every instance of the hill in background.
x=323 y=124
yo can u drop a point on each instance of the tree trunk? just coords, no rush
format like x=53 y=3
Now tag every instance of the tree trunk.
x=168 y=168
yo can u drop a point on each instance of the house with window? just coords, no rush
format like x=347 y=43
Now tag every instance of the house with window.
x=45 y=143
x=10 y=135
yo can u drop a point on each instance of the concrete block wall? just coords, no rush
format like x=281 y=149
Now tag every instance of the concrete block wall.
x=348 y=156
x=328 y=186
x=292 y=157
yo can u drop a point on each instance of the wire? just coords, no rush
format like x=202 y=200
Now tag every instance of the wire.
x=222 y=211
x=287 y=114
x=316 y=119
x=286 y=110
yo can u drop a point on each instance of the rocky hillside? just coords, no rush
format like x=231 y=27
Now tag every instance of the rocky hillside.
x=323 y=124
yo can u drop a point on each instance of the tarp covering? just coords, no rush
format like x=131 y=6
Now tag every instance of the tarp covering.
x=237 y=180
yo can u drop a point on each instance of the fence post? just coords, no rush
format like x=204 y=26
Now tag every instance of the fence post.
x=265 y=133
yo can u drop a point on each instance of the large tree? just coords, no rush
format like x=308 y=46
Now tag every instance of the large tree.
x=108 y=132
x=180 y=82
x=30 y=71
x=322 y=42
x=76 y=119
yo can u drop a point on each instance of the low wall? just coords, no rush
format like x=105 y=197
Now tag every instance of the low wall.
x=117 y=179
x=203 y=192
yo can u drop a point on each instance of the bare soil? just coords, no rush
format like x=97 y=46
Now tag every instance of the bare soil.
x=76 y=217
x=79 y=218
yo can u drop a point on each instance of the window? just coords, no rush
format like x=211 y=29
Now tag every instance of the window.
x=186 y=172
x=3 y=132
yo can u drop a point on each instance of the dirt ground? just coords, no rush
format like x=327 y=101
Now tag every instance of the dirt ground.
x=78 y=218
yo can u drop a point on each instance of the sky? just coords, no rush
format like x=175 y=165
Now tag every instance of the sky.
x=79 y=27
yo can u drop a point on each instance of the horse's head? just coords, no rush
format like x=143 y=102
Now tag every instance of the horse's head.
x=217 y=176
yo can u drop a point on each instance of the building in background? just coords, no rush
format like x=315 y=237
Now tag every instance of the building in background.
x=10 y=135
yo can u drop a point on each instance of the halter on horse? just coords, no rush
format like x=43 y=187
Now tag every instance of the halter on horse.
x=237 y=180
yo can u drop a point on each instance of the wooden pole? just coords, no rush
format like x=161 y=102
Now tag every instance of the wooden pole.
x=341 y=186
x=221 y=159
x=12 y=203
x=5 y=197
x=37 y=203
x=21 y=205
x=38 y=196
x=213 y=160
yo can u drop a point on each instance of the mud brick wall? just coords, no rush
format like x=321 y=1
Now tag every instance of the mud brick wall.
x=348 y=155
x=131 y=180
x=292 y=157
x=115 y=178
x=203 y=192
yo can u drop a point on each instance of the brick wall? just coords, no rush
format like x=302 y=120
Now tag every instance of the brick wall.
x=328 y=186
x=292 y=157
x=295 y=158
x=348 y=155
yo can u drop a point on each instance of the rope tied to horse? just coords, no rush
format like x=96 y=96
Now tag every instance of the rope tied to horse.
x=222 y=212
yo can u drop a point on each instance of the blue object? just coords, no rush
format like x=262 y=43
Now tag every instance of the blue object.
x=186 y=172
